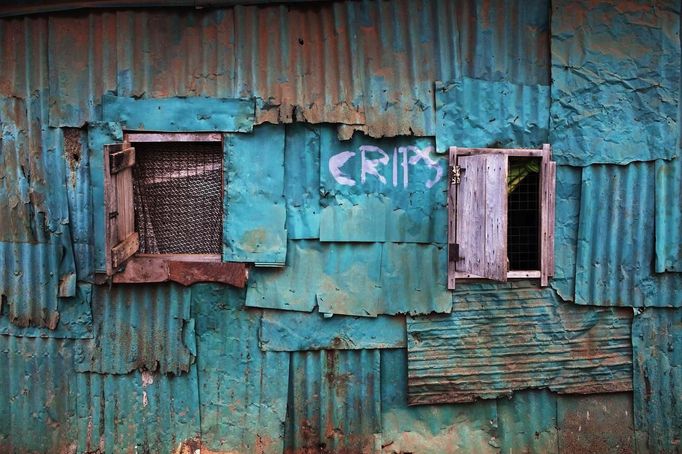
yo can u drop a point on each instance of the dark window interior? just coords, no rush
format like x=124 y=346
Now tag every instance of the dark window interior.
x=523 y=234
x=178 y=197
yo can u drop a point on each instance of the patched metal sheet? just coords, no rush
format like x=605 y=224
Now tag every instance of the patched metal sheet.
x=300 y=331
x=139 y=327
x=302 y=181
x=668 y=215
x=496 y=342
x=657 y=348
x=596 y=423
x=482 y=114
x=334 y=401
x=193 y=114
x=615 y=255
x=615 y=81
x=362 y=279
x=382 y=190
x=528 y=422
x=243 y=389
x=254 y=228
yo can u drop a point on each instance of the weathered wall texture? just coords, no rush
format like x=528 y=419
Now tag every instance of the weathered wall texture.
x=335 y=118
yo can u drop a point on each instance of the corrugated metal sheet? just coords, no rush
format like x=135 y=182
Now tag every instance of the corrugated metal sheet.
x=145 y=327
x=615 y=255
x=479 y=113
x=334 y=402
x=657 y=345
x=382 y=190
x=496 y=342
x=668 y=215
x=528 y=423
x=300 y=331
x=567 y=209
x=611 y=102
x=243 y=389
x=363 y=279
x=375 y=66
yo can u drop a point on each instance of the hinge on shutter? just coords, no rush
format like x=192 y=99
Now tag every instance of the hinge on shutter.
x=453 y=253
x=456 y=174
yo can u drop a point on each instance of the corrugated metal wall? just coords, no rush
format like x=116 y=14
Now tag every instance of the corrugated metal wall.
x=335 y=170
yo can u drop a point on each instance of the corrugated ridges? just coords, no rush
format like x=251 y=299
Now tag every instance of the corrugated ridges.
x=668 y=215
x=495 y=342
x=657 y=345
x=334 y=401
x=144 y=327
x=615 y=254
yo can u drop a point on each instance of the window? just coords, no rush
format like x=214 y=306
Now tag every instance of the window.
x=501 y=214
x=164 y=205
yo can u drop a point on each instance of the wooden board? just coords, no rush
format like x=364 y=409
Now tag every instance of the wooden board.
x=452 y=225
x=481 y=216
x=547 y=217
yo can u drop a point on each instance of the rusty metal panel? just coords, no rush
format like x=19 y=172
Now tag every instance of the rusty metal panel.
x=334 y=401
x=484 y=114
x=657 y=348
x=615 y=81
x=668 y=215
x=496 y=342
x=300 y=331
x=243 y=389
x=596 y=423
x=615 y=255
x=381 y=190
x=145 y=327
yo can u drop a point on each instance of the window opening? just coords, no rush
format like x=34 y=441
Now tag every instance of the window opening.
x=523 y=214
x=178 y=197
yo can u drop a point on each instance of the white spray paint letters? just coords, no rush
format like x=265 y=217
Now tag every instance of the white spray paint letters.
x=374 y=161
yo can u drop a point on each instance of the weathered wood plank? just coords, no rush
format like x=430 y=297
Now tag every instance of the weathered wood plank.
x=547 y=202
x=110 y=206
x=187 y=273
x=452 y=233
x=124 y=250
x=140 y=270
x=174 y=137
x=496 y=201
x=121 y=160
x=518 y=152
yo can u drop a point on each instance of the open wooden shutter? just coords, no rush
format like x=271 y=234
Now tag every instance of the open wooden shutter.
x=478 y=217
x=121 y=239
x=547 y=201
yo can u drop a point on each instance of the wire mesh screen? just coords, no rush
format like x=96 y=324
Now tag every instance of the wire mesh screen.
x=523 y=234
x=178 y=197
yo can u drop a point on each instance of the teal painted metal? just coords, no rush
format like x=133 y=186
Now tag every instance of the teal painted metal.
x=400 y=279
x=243 y=389
x=180 y=114
x=617 y=206
x=300 y=331
x=614 y=103
x=668 y=222
x=382 y=190
x=528 y=423
x=302 y=181
x=496 y=342
x=657 y=348
x=254 y=229
x=334 y=401
x=139 y=327
x=479 y=113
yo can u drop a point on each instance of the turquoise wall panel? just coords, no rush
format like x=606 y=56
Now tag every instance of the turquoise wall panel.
x=668 y=221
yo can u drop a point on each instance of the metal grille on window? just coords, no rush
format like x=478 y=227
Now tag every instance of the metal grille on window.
x=523 y=215
x=178 y=197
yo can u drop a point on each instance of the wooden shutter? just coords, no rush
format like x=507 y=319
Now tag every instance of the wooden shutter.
x=478 y=218
x=547 y=202
x=121 y=239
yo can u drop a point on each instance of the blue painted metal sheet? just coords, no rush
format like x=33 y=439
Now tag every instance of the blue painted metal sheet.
x=362 y=279
x=614 y=103
x=479 y=113
x=302 y=181
x=180 y=114
x=668 y=215
x=243 y=389
x=596 y=423
x=254 y=228
x=139 y=327
x=382 y=190
x=334 y=401
x=496 y=342
x=528 y=422
x=657 y=348
x=300 y=331
x=615 y=255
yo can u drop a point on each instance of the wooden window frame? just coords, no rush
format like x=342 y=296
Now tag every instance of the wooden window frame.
x=546 y=214
x=136 y=267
